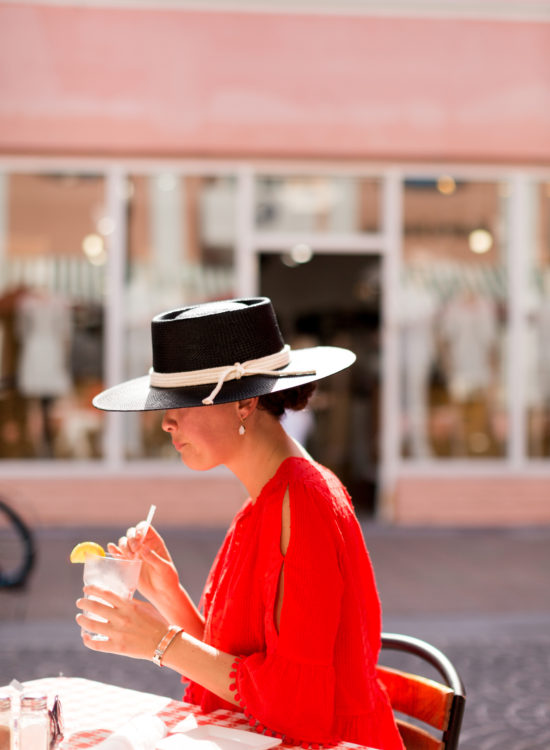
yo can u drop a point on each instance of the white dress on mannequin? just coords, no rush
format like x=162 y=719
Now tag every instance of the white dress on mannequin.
x=469 y=328
x=44 y=328
x=417 y=308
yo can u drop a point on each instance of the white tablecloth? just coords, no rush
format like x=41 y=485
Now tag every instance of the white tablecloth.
x=93 y=710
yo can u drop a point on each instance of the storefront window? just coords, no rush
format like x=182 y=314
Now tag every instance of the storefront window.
x=317 y=204
x=453 y=318
x=537 y=349
x=52 y=230
x=181 y=236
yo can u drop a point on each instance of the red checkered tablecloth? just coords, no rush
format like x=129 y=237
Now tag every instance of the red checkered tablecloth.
x=93 y=710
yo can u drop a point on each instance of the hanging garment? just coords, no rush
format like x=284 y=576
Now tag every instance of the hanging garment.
x=44 y=328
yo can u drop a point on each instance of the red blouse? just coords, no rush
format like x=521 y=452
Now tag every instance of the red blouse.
x=313 y=681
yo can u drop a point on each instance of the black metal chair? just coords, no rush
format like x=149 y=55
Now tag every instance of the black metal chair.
x=439 y=706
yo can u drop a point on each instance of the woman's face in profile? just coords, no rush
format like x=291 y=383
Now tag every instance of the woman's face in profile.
x=204 y=436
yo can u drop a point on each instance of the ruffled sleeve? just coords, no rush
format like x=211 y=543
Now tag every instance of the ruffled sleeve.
x=289 y=689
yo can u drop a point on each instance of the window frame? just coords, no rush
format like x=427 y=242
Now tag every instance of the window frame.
x=250 y=241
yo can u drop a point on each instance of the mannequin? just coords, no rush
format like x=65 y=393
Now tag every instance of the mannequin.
x=417 y=311
x=44 y=329
x=469 y=329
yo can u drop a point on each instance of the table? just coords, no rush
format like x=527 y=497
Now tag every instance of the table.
x=93 y=710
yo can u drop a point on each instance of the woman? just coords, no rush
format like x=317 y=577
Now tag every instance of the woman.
x=290 y=628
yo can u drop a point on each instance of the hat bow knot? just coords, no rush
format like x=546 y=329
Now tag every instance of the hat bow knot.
x=268 y=366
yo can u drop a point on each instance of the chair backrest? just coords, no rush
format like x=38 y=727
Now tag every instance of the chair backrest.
x=440 y=706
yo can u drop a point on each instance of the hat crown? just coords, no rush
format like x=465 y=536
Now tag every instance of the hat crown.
x=215 y=334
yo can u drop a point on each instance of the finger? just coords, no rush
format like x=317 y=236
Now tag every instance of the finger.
x=142 y=531
x=153 y=540
x=114 y=550
x=88 y=633
x=90 y=642
x=90 y=627
x=133 y=542
x=91 y=605
x=152 y=535
x=91 y=624
x=107 y=598
x=146 y=540
x=123 y=544
x=92 y=618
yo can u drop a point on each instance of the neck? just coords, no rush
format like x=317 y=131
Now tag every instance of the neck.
x=265 y=446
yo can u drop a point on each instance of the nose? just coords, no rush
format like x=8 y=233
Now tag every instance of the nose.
x=168 y=421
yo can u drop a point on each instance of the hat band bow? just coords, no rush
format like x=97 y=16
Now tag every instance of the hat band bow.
x=219 y=375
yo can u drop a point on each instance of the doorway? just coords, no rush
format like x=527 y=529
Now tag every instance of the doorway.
x=335 y=299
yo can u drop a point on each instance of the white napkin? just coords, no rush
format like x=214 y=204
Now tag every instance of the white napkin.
x=182 y=741
x=188 y=735
x=140 y=733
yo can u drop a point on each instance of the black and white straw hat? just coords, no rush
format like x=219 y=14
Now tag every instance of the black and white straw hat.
x=220 y=352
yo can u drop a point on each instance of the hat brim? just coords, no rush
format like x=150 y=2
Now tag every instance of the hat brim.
x=139 y=395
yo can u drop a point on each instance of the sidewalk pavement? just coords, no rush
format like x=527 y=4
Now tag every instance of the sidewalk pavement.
x=482 y=595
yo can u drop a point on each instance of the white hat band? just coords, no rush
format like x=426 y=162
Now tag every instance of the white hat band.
x=263 y=366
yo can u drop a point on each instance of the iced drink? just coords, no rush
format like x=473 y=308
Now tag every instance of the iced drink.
x=114 y=574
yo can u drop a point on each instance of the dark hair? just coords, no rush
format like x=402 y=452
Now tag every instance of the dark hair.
x=291 y=398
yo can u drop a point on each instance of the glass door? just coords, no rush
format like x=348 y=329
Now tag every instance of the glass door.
x=318 y=241
x=334 y=299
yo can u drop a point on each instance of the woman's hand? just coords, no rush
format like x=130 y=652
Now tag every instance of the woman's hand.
x=159 y=580
x=133 y=628
x=158 y=572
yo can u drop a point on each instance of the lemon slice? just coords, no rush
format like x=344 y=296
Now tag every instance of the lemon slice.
x=83 y=549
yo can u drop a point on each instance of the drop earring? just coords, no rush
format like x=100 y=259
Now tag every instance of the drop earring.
x=242 y=428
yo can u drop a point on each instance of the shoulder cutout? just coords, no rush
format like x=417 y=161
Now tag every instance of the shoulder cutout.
x=285 y=523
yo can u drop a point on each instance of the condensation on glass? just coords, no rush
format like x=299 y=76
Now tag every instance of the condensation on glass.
x=53 y=230
x=181 y=240
x=452 y=313
x=537 y=323
x=317 y=204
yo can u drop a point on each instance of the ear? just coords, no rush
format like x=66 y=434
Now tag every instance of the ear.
x=246 y=407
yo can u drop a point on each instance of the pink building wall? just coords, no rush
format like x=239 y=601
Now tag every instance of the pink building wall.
x=121 y=501
x=146 y=82
x=87 y=80
x=469 y=501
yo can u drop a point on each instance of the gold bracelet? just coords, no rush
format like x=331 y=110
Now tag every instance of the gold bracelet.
x=165 y=641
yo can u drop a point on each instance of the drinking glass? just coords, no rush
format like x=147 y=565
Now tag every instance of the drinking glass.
x=115 y=574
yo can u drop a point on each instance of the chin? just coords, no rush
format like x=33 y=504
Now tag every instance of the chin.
x=198 y=465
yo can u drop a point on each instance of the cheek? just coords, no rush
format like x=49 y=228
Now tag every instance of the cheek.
x=219 y=443
x=211 y=443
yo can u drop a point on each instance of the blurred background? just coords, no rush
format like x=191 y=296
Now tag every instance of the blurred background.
x=381 y=170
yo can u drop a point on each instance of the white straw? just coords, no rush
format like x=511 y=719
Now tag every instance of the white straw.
x=148 y=520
